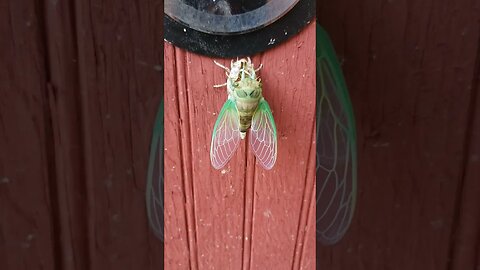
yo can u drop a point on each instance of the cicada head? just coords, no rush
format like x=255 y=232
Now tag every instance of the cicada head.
x=242 y=68
x=247 y=88
x=243 y=81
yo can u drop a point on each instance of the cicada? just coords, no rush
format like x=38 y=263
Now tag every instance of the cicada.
x=154 y=192
x=244 y=109
x=336 y=146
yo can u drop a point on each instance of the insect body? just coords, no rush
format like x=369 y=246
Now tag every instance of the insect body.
x=245 y=108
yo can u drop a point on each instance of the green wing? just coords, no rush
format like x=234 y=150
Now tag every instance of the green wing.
x=336 y=146
x=263 y=135
x=225 y=136
x=154 y=192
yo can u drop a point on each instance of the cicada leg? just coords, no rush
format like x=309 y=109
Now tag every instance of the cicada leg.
x=219 y=85
x=222 y=66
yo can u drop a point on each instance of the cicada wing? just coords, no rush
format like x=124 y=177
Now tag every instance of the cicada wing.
x=336 y=147
x=226 y=135
x=154 y=192
x=263 y=135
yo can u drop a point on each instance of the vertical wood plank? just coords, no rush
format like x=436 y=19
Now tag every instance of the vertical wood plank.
x=27 y=229
x=409 y=68
x=282 y=196
x=218 y=195
x=120 y=48
x=69 y=194
x=308 y=259
x=466 y=234
x=215 y=227
x=177 y=254
x=213 y=199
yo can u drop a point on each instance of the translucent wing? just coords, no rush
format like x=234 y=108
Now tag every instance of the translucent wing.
x=263 y=135
x=336 y=147
x=154 y=192
x=226 y=135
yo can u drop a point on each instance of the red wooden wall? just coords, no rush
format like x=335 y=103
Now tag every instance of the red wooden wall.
x=80 y=82
x=412 y=68
x=242 y=216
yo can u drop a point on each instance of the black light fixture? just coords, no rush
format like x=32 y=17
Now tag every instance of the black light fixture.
x=234 y=28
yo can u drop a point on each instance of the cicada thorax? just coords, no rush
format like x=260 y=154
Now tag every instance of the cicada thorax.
x=247 y=93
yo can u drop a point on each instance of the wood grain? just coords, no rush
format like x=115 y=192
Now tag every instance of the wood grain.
x=282 y=196
x=120 y=73
x=27 y=237
x=80 y=85
x=465 y=250
x=239 y=217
